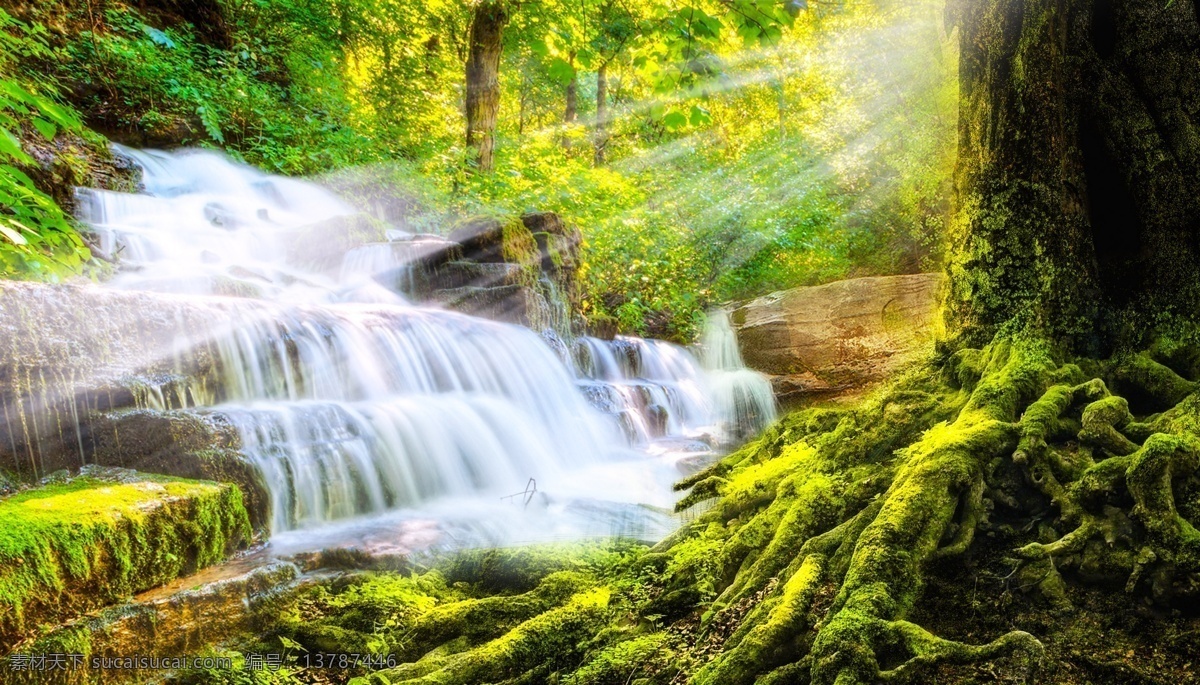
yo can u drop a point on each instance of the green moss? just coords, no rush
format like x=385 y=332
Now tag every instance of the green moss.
x=552 y=638
x=1102 y=422
x=73 y=546
x=772 y=640
x=624 y=661
x=1149 y=385
x=518 y=245
x=475 y=621
x=520 y=569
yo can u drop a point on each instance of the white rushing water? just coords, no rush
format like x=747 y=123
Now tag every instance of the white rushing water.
x=351 y=401
x=743 y=398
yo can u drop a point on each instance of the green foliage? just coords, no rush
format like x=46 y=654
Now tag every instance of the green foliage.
x=37 y=240
x=171 y=85
x=824 y=154
x=622 y=662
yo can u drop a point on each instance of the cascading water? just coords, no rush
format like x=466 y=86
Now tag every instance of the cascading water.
x=659 y=389
x=656 y=389
x=349 y=400
x=744 y=399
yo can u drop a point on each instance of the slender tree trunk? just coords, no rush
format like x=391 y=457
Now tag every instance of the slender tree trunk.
x=781 y=105
x=572 y=108
x=1078 y=180
x=483 y=81
x=601 y=129
x=524 y=97
x=781 y=73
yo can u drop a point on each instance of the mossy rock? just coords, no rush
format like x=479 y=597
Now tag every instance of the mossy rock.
x=482 y=239
x=73 y=546
x=558 y=244
x=210 y=609
x=511 y=303
x=183 y=444
x=74 y=350
x=72 y=161
x=461 y=274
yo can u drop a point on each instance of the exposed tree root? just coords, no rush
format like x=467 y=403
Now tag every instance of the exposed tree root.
x=815 y=548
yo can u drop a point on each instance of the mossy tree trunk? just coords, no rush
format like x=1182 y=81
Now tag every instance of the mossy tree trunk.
x=1078 y=180
x=483 y=81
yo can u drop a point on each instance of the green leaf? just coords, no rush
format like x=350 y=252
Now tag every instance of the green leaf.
x=10 y=146
x=63 y=116
x=675 y=120
x=158 y=36
x=46 y=128
x=560 y=70
x=289 y=643
x=700 y=116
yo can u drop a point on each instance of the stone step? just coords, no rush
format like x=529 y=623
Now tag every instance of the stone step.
x=181 y=443
x=72 y=350
x=76 y=544
x=424 y=284
x=510 y=303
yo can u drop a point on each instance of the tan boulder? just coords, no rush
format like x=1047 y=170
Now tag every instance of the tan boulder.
x=834 y=339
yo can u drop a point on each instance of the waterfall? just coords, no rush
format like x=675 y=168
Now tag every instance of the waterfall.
x=744 y=399
x=348 y=399
x=660 y=389
x=654 y=388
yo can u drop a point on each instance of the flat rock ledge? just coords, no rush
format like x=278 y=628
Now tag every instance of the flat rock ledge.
x=831 y=340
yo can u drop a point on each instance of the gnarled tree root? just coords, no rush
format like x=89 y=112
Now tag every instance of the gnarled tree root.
x=815 y=549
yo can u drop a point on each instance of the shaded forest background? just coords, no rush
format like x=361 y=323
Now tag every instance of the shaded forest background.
x=709 y=150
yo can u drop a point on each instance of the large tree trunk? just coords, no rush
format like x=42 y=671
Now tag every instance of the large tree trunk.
x=1078 y=179
x=483 y=81
x=600 y=134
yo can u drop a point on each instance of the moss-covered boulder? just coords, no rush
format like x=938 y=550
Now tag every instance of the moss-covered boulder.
x=521 y=270
x=425 y=284
x=511 y=303
x=558 y=248
x=78 y=544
